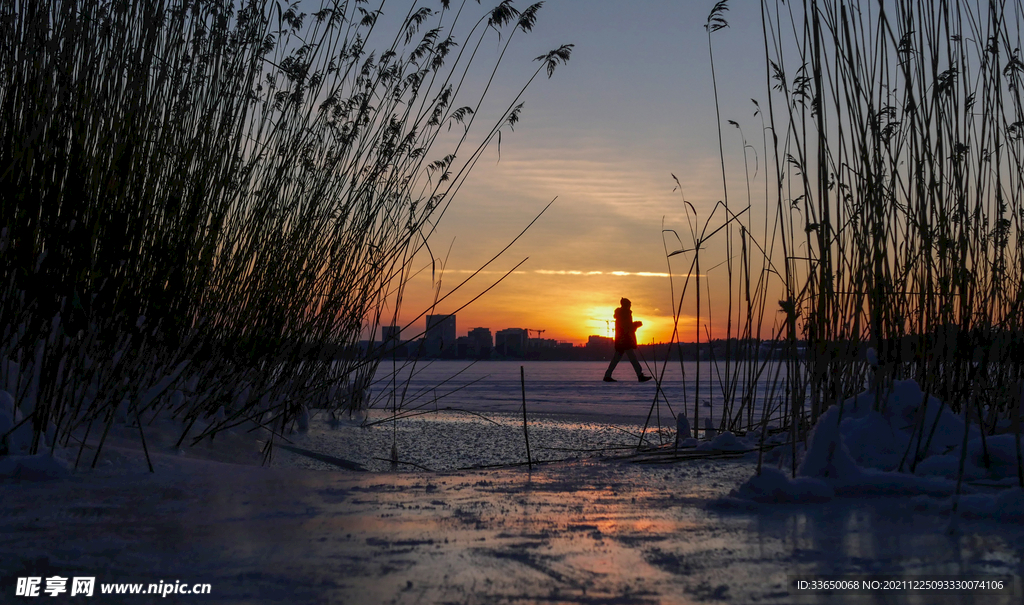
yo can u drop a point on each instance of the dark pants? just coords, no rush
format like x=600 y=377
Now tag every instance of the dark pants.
x=632 y=359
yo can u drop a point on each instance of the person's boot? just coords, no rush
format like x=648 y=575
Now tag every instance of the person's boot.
x=643 y=378
x=609 y=379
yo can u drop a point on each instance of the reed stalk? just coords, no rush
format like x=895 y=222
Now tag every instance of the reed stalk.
x=238 y=185
x=894 y=138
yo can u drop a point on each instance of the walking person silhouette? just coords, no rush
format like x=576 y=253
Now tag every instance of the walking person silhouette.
x=625 y=341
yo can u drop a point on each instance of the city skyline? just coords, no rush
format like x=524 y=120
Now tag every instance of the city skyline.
x=480 y=344
x=438 y=325
x=395 y=332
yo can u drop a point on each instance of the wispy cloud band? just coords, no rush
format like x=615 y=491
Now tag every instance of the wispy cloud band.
x=570 y=272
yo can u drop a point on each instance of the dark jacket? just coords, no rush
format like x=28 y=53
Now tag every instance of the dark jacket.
x=625 y=330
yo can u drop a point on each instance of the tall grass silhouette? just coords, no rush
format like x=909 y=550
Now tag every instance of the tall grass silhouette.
x=205 y=203
x=892 y=210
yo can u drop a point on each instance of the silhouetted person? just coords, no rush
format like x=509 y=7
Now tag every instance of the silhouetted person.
x=625 y=341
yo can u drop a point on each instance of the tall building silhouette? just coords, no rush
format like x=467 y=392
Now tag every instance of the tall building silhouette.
x=391 y=341
x=440 y=336
x=511 y=342
x=481 y=342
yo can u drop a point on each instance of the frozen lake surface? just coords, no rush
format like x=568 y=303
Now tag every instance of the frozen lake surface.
x=452 y=414
x=561 y=388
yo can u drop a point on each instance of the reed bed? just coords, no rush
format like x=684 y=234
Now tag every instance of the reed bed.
x=891 y=215
x=205 y=203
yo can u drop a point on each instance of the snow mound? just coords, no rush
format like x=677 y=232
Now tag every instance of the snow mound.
x=725 y=442
x=864 y=447
x=16 y=441
x=1001 y=453
x=41 y=467
x=868 y=445
x=886 y=430
x=827 y=456
x=773 y=486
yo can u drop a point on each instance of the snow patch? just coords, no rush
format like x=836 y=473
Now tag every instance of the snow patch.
x=827 y=456
x=682 y=428
x=867 y=445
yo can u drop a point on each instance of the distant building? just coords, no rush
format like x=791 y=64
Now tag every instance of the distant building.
x=599 y=347
x=481 y=343
x=511 y=342
x=391 y=341
x=416 y=348
x=440 y=335
x=389 y=333
x=543 y=343
x=465 y=348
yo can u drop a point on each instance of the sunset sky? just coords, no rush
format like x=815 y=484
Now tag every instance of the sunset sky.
x=634 y=105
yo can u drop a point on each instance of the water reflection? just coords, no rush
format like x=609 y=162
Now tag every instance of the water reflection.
x=846 y=539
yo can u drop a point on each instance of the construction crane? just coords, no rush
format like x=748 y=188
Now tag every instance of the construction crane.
x=539 y=332
x=607 y=325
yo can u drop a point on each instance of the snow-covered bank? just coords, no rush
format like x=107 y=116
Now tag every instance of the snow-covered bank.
x=869 y=445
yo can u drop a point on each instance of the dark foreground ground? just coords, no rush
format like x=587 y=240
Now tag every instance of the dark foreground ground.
x=590 y=532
